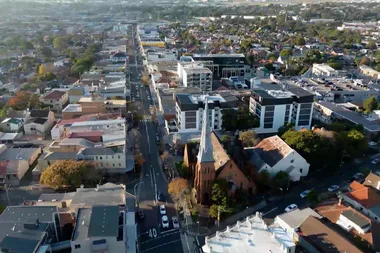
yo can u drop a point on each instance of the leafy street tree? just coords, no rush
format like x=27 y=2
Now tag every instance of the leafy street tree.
x=240 y=119
x=249 y=138
x=60 y=43
x=145 y=80
x=219 y=192
x=213 y=211
x=286 y=52
x=312 y=197
x=178 y=188
x=284 y=128
x=70 y=173
x=370 y=104
x=23 y=100
x=281 y=179
x=139 y=159
x=299 y=41
x=353 y=143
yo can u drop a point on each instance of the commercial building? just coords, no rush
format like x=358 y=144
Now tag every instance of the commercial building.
x=276 y=105
x=368 y=71
x=250 y=235
x=195 y=75
x=190 y=110
x=324 y=70
x=223 y=65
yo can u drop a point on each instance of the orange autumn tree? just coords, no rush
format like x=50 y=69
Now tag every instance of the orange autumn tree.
x=23 y=100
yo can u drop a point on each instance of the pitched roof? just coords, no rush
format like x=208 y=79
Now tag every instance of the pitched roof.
x=55 y=94
x=273 y=149
x=295 y=218
x=205 y=153
x=323 y=238
x=355 y=185
x=39 y=113
x=40 y=121
x=368 y=197
x=372 y=180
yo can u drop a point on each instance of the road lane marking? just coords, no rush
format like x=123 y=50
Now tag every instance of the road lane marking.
x=151 y=178
x=187 y=242
x=155 y=183
x=171 y=230
x=270 y=211
x=155 y=247
x=158 y=237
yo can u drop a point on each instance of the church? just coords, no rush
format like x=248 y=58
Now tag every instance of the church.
x=213 y=163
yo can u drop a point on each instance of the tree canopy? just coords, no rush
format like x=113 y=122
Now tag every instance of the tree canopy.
x=240 y=119
x=370 y=104
x=70 y=173
x=178 y=188
x=249 y=138
x=23 y=100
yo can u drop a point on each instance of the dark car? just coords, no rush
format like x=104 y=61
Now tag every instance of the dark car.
x=160 y=196
x=140 y=214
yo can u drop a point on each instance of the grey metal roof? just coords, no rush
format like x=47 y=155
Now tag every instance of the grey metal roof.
x=18 y=153
x=77 y=141
x=101 y=196
x=54 y=156
x=101 y=151
x=22 y=242
x=185 y=99
x=39 y=113
x=23 y=213
x=56 y=196
x=295 y=218
x=355 y=218
x=104 y=221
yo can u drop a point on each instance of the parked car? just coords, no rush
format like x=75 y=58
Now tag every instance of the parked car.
x=160 y=196
x=333 y=188
x=372 y=143
x=165 y=221
x=175 y=222
x=304 y=194
x=291 y=207
x=375 y=161
x=162 y=209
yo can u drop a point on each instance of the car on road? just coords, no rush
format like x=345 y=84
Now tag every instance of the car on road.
x=375 y=161
x=304 y=194
x=359 y=177
x=160 y=196
x=140 y=214
x=291 y=207
x=372 y=143
x=333 y=188
x=165 y=221
x=175 y=222
x=162 y=209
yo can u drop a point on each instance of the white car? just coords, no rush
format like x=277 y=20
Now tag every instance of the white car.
x=333 y=188
x=372 y=143
x=175 y=222
x=304 y=194
x=375 y=161
x=162 y=209
x=165 y=221
x=291 y=207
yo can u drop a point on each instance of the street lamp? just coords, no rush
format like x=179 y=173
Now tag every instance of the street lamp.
x=136 y=197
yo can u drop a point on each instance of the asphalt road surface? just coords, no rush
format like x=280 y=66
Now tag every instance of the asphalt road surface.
x=152 y=237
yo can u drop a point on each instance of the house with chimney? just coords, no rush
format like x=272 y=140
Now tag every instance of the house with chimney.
x=213 y=163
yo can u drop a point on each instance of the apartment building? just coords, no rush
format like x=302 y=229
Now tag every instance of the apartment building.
x=190 y=107
x=275 y=105
x=99 y=229
x=194 y=75
x=223 y=65
x=324 y=70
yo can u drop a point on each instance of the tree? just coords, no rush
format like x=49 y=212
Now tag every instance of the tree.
x=178 y=188
x=284 y=128
x=213 y=211
x=286 y=52
x=20 y=101
x=353 y=143
x=226 y=138
x=139 y=159
x=41 y=70
x=145 y=80
x=370 y=104
x=299 y=41
x=241 y=119
x=219 y=192
x=60 y=43
x=45 y=52
x=335 y=65
x=26 y=45
x=281 y=179
x=312 y=197
x=371 y=45
x=70 y=173
x=249 y=138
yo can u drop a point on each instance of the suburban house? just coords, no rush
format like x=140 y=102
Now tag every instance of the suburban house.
x=11 y=125
x=372 y=180
x=39 y=123
x=213 y=163
x=366 y=199
x=273 y=155
x=29 y=229
x=352 y=221
x=70 y=145
x=57 y=99
x=317 y=237
x=15 y=162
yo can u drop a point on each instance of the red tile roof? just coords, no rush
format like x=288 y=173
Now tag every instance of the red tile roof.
x=55 y=94
x=366 y=196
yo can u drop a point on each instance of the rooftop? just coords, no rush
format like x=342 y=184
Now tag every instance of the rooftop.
x=54 y=94
x=295 y=218
x=73 y=108
x=17 y=153
x=218 y=55
x=251 y=235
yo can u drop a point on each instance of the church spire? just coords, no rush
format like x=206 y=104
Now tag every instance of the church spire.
x=205 y=153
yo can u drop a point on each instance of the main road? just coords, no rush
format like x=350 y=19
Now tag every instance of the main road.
x=152 y=237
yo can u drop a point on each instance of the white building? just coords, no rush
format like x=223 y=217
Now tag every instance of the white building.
x=252 y=235
x=189 y=110
x=166 y=55
x=273 y=155
x=324 y=70
x=275 y=106
x=98 y=229
x=194 y=75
